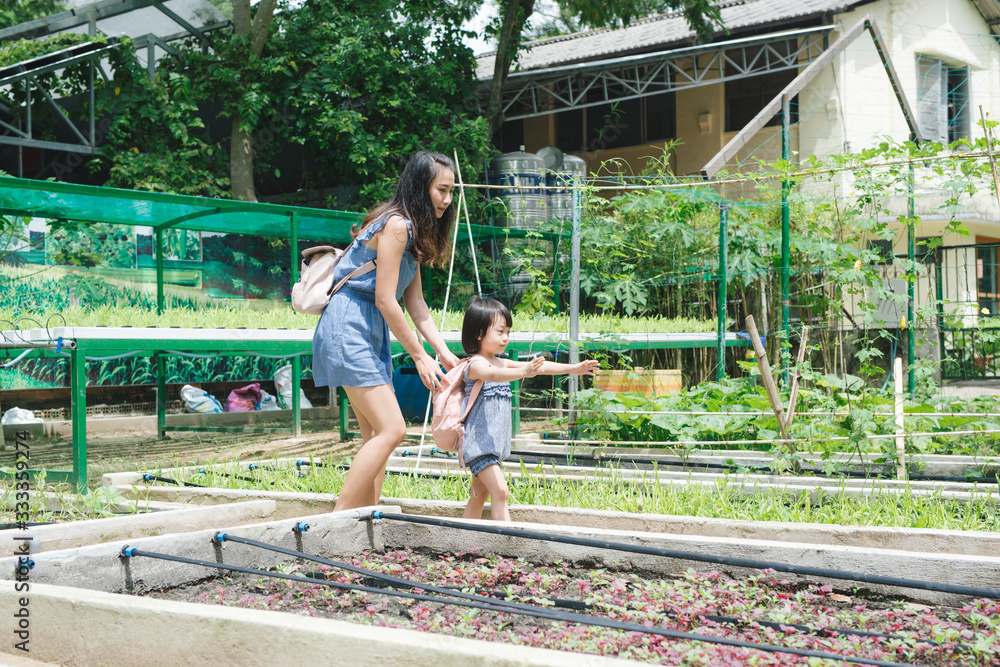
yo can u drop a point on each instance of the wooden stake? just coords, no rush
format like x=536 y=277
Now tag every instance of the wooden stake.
x=765 y=373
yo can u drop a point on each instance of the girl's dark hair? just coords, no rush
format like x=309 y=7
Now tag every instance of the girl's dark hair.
x=479 y=317
x=413 y=200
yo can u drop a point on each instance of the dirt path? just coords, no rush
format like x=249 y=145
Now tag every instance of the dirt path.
x=124 y=452
x=120 y=452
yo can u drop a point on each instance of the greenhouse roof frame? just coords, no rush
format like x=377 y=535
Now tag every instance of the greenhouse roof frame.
x=150 y=24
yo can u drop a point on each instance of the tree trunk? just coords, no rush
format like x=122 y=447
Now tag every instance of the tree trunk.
x=515 y=15
x=241 y=143
x=241 y=163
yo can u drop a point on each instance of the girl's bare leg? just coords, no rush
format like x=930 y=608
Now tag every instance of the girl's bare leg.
x=492 y=478
x=477 y=498
x=376 y=408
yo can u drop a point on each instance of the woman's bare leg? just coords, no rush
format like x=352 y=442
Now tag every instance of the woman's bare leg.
x=496 y=486
x=378 y=407
x=477 y=498
x=366 y=434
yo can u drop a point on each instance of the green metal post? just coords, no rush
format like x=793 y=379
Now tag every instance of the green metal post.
x=911 y=279
x=515 y=401
x=160 y=299
x=78 y=410
x=939 y=287
x=786 y=301
x=161 y=396
x=720 y=371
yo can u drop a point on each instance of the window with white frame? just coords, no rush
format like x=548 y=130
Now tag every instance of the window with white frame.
x=942 y=99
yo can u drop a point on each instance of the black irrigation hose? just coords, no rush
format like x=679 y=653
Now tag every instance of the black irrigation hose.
x=529 y=610
x=704 y=558
x=580 y=605
x=130 y=552
x=616 y=458
x=558 y=458
x=156 y=478
x=388 y=578
x=8 y=526
x=407 y=453
x=203 y=471
x=946 y=478
x=408 y=473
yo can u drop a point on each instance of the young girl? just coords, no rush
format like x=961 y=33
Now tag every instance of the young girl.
x=485 y=333
x=351 y=343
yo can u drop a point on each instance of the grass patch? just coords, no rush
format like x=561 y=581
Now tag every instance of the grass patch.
x=727 y=499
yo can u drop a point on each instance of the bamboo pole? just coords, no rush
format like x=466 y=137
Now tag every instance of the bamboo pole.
x=765 y=373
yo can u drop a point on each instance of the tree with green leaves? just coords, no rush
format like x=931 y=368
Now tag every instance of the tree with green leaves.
x=13 y=12
x=512 y=23
x=359 y=86
x=371 y=82
x=250 y=33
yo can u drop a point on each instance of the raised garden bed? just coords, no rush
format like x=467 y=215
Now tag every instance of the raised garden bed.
x=763 y=608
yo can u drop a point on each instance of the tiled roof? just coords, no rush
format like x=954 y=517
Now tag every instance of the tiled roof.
x=659 y=32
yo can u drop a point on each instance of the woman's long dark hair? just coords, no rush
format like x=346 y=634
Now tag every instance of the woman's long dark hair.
x=413 y=200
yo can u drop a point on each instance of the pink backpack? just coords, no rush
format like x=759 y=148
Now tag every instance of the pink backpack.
x=448 y=425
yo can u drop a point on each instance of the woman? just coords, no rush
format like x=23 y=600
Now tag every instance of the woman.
x=351 y=343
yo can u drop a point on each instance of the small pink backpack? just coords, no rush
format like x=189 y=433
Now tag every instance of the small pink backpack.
x=448 y=424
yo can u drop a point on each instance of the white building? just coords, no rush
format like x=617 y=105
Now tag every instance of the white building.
x=939 y=58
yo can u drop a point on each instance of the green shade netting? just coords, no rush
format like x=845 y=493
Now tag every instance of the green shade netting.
x=88 y=203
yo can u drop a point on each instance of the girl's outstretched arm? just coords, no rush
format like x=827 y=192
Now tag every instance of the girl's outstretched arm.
x=553 y=368
x=480 y=369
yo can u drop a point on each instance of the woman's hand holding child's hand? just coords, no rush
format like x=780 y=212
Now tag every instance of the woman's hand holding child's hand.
x=585 y=367
x=532 y=368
